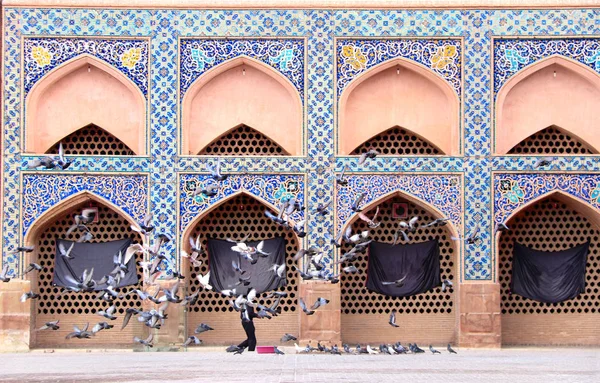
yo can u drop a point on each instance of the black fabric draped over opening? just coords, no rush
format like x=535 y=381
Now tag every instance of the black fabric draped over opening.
x=98 y=256
x=262 y=276
x=419 y=262
x=549 y=276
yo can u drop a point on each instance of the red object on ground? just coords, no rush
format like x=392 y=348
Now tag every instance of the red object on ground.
x=265 y=349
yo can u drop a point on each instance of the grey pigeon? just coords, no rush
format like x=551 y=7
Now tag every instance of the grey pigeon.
x=50 y=326
x=192 y=339
x=287 y=338
x=450 y=350
x=433 y=350
x=392 y=321
x=202 y=327
x=278 y=351
x=145 y=342
x=304 y=308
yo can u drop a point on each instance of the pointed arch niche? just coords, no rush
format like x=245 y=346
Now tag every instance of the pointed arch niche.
x=241 y=91
x=84 y=91
x=76 y=308
x=554 y=91
x=431 y=317
x=402 y=93
x=238 y=215
x=552 y=222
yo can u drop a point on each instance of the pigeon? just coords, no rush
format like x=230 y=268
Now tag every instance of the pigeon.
x=356 y=203
x=319 y=303
x=433 y=350
x=236 y=267
x=543 y=162
x=415 y=349
x=29 y=295
x=108 y=314
x=233 y=348
x=101 y=326
x=322 y=208
x=279 y=270
x=350 y=269
x=4 y=277
x=298 y=228
x=51 y=161
x=347 y=349
x=243 y=281
x=66 y=252
x=304 y=308
x=85 y=237
x=340 y=180
x=371 y=222
x=439 y=222
x=501 y=227
x=209 y=190
x=192 y=339
x=472 y=238
x=371 y=351
x=398 y=283
x=202 y=327
x=145 y=342
x=204 y=280
x=287 y=337
x=371 y=154
x=195 y=262
x=278 y=351
x=446 y=284
x=128 y=314
x=80 y=334
x=87 y=216
x=50 y=326
x=86 y=283
x=450 y=350
x=21 y=249
x=215 y=171
x=404 y=236
x=392 y=320
x=146 y=225
x=190 y=299
x=278 y=294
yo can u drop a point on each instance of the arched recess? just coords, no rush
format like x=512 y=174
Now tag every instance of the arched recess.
x=83 y=91
x=77 y=308
x=397 y=141
x=242 y=91
x=552 y=140
x=554 y=91
x=399 y=92
x=426 y=318
x=552 y=222
x=243 y=140
x=235 y=217
x=91 y=140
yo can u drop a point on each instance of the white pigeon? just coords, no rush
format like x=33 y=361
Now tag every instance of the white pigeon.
x=298 y=348
x=371 y=351
x=204 y=280
x=228 y=293
x=279 y=270
x=250 y=298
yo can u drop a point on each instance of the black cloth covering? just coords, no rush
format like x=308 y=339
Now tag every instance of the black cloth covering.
x=549 y=276
x=419 y=262
x=92 y=255
x=262 y=276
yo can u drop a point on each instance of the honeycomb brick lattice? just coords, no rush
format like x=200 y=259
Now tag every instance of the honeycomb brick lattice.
x=397 y=141
x=110 y=227
x=357 y=299
x=243 y=140
x=551 y=140
x=240 y=216
x=550 y=225
x=92 y=140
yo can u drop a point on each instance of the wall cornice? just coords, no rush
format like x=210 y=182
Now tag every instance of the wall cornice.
x=308 y=4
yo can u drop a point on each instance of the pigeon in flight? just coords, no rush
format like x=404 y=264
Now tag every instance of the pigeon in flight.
x=279 y=270
x=29 y=295
x=192 y=339
x=398 y=283
x=278 y=351
x=371 y=222
x=203 y=279
x=215 y=171
x=446 y=284
x=101 y=326
x=21 y=249
x=80 y=334
x=501 y=227
x=108 y=314
x=392 y=321
x=350 y=269
x=543 y=162
x=145 y=342
x=50 y=326
x=202 y=327
x=340 y=179
x=287 y=337
x=319 y=303
x=371 y=154
x=472 y=238
x=4 y=277
x=66 y=252
x=322 y=208
x=81 y=220
x=439 y=222
x=32 y=266
x=304 y=308
x=357 y=202
x=210 y=190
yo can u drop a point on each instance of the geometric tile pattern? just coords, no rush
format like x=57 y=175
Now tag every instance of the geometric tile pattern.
x=512 y=55
x=480 y=32
x=269 y=188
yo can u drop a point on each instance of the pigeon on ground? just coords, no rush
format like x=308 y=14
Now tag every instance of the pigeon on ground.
x=450 y=350
x=278 y=351
x=371 y=351
x=433 y=350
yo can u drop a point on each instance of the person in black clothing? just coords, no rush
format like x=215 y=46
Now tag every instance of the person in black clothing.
x=248 y=325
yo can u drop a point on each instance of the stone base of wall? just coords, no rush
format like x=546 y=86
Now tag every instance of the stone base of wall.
x=15 y=317
x=325 y=324
x=479 y=323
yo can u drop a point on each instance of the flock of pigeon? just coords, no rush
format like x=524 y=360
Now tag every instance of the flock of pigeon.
x=154 y=262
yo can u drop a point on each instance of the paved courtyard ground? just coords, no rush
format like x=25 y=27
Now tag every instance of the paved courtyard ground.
x=211 y=365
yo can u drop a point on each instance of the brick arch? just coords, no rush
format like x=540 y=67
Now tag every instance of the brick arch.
x=241 y=91
x=83 y=91
x=399 y=92
x=535 y=98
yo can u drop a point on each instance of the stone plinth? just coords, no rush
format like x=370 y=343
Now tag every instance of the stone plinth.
x=170 y=335
x=480 y=315
x=325 y=324
x=15 y=316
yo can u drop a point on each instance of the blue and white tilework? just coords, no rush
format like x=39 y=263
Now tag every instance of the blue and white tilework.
x=43 y=191
x=319 y=70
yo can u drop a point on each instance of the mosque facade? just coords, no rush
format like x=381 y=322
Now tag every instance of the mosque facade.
x=461 y=100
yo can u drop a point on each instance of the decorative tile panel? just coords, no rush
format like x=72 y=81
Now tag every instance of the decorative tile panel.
x=512 y=55
x=197 y=56
x=442 y=56
x=43 y=191
x=41 y=55
x=270 y=188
